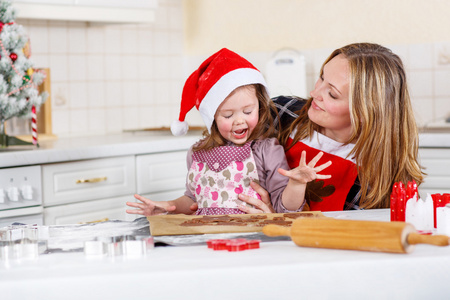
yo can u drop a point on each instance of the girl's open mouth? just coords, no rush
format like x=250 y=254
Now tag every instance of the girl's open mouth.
x=239 y=134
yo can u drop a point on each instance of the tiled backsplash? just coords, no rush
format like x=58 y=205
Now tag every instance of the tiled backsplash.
x=109 y=78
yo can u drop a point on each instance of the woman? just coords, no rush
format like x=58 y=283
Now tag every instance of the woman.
x=360 y=114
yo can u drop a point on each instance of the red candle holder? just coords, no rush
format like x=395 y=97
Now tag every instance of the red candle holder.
x=439 y=201
x=399 y=196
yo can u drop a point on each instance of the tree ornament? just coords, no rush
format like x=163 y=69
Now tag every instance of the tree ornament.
x=27 y=49
x=26 y=79
x=13 y=56
x=34 y=125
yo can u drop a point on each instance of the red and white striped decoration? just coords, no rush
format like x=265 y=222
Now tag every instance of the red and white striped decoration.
x=34 y=125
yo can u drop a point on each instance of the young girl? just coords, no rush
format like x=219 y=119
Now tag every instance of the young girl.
x=237 y=148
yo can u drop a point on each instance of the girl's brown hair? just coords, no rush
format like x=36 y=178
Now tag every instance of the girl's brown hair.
x=383 y=126
x=263 y=129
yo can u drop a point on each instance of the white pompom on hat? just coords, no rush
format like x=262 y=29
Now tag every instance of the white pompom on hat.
x=211 y=84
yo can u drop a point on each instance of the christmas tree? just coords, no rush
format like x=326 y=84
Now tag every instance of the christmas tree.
x=19 y=94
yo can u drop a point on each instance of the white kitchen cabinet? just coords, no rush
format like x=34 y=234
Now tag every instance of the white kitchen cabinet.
x=99 y=3
x=161 y=173
x=110 y=11
x=88 y=190
x=92 y=190
x=160 y=176
x=78 y=181
x=437 y=165
x=90 y=211
x=108 y=172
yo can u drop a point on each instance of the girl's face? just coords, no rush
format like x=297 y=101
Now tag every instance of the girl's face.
x=238 y=115
x=330 y=105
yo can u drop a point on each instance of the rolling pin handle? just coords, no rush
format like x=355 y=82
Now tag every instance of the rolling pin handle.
x=276 y=230
x=437 y=240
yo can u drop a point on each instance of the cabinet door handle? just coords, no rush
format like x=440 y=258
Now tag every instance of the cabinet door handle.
x=91 y=180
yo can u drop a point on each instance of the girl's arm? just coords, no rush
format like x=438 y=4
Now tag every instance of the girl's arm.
x=260 y=206
x=183 y=205
x=269 y=157
x=147 y=207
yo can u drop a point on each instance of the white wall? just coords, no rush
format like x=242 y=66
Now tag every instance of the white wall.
x=267 y=25
x=419 y=31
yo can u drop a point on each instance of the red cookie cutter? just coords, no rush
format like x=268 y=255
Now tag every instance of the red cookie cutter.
x=233 y=245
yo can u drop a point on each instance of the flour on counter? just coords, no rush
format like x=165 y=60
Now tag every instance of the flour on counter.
x=72 y=237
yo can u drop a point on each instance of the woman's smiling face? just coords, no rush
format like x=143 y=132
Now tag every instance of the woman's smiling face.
x=330 y=105
x=238 y=115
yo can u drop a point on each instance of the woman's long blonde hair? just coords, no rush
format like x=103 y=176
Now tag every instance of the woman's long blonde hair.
x=384 y=129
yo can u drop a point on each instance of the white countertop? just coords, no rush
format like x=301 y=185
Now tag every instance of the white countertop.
x=278 y=270
x=131 y=143
x=434 y=140
x=101 y=146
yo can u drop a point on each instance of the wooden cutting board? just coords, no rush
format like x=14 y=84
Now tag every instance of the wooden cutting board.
x=170 y=224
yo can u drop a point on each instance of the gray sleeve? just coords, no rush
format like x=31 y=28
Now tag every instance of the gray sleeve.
x=269 y=156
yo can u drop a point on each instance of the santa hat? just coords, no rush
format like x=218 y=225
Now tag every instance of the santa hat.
x=211 y=83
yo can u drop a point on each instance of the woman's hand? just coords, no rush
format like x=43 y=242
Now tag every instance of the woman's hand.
x=305 y=173
x=260 y=206
x=149 y=207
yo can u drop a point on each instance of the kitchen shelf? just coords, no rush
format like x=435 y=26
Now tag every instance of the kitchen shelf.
x=87 y=13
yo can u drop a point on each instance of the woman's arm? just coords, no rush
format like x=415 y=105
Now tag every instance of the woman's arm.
x=287 y=108
x=294 y=193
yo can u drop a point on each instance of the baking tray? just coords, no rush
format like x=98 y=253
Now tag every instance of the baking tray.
x=171 y=224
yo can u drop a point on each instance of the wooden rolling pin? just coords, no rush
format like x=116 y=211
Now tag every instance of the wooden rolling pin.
x=395 y=237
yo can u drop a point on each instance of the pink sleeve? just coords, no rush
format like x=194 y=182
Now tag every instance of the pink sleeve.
x=269 y=156
x=188 y=165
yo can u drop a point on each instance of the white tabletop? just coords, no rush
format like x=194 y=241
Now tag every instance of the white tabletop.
x=278 y=270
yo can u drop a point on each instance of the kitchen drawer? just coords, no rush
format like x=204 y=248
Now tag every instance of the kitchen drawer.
x=161 y=172
x=87 y=180
x=437 y=166
x=91 y=211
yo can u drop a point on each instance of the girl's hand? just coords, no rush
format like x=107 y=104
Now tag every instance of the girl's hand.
x=260 y=206
x=149 y=207
x=305 y=173
x=194 y=207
